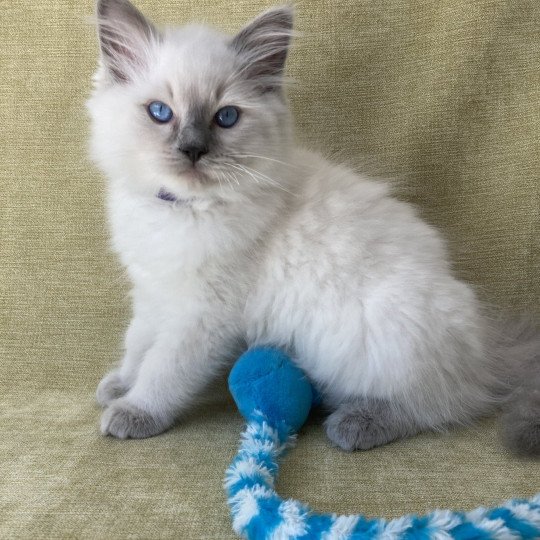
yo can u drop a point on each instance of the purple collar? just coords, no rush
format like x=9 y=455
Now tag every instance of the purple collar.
x=166 y=196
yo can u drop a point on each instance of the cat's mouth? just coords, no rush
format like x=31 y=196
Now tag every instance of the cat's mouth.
x=201 y=175
x=195 y=175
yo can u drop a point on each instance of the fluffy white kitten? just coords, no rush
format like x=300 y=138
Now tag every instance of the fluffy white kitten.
x=232 y=236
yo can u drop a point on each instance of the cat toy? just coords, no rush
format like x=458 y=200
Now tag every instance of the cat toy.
x=275 y=398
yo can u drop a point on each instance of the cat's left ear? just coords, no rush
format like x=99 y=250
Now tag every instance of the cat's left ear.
x=126 y=38
x=263 y=46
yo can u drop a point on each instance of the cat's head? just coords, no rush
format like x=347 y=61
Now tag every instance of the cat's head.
x=190 y=110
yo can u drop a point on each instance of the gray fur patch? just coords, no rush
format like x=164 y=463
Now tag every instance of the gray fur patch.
x=125 y=421
x=519 y=351
x=110 y=388
x=366 y=423
x=521 y=421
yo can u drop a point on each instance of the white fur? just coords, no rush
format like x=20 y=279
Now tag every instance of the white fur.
x=293 y=251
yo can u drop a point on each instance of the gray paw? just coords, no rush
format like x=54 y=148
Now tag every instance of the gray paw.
x=110 y=388
x=126 y=421
x=364 y=424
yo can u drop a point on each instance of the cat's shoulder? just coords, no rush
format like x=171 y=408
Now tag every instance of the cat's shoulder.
x=331 y=179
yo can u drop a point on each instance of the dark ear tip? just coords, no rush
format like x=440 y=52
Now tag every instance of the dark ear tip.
x=279 y=16
x=286 y=9
x=103 y=7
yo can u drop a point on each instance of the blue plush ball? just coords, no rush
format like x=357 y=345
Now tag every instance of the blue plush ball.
x=265 y=380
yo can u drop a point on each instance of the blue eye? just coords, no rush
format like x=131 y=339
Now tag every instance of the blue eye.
x=227 y=116
x=159 y=111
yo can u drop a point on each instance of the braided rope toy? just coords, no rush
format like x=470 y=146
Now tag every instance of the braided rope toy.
x=275 y=398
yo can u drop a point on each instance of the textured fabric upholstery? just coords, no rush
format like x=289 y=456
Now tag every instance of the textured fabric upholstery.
x=443 y=95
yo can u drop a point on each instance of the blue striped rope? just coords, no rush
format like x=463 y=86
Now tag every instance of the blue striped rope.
x=259 y=513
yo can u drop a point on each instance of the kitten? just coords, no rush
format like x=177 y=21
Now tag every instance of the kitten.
x=232 y=236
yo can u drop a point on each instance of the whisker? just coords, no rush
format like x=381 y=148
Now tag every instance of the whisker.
x=265 y=157
x=220 y=185
x=255 y=173
x=241 y=168
x=270 y=180
x=233 y=177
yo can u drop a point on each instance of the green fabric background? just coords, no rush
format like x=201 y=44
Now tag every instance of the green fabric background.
x=443 y=95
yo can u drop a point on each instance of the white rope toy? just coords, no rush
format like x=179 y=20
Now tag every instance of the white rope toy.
x=275 y=398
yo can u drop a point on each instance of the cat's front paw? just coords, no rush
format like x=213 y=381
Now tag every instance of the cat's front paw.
x=127 y=421
x=110 y=388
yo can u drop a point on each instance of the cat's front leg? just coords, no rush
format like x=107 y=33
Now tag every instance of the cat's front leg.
x=139 y=337
x=173 y=372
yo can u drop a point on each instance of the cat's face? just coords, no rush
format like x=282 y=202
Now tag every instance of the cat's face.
x=189 y=110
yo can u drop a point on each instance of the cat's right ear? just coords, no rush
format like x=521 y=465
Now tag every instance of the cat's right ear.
x=263 y=46
x=126 y=38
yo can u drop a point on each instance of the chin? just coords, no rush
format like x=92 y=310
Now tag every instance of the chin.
x=196 y=175
x=188 y=182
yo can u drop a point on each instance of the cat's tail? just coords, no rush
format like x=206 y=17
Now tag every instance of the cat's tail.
x=517 y=347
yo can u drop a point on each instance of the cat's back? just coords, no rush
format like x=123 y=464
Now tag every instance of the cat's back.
x=345 y=240
x=353 y=220
x=354 y=281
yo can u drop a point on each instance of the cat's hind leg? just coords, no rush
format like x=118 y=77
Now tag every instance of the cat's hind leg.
x=367 y=422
